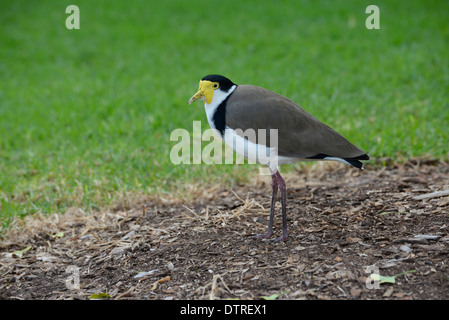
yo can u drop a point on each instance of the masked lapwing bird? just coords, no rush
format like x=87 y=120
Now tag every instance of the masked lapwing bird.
x=270 y=129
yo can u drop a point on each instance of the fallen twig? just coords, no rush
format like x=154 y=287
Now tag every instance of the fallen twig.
x=432 y=195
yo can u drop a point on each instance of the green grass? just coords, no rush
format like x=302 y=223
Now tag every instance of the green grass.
x=86 y=115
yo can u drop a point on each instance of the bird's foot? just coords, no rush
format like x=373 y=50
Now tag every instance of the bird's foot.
x=264 y=236
x=284 y=237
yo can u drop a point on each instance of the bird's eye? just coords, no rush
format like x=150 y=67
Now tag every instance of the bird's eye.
x=215 y=85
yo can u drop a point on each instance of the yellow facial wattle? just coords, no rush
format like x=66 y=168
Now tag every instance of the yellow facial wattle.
x=205 y=91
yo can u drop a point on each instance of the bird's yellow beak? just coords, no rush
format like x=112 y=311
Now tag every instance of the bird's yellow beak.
x=205 y=91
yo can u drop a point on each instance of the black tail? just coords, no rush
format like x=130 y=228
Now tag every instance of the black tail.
x=352 y=161
x=355 y=161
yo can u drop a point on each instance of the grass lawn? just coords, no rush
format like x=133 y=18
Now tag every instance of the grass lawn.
x=86 y=115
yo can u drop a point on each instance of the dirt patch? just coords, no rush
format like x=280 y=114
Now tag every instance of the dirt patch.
x=344 y=225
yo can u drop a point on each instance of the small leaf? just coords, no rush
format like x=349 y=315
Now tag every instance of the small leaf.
x=382 y=279
x=98 y=296
x=21 y=252
x=392 y=279
x=58 y=235
x=273 y=296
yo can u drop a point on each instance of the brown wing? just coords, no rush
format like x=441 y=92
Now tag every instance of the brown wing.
x=300 y=135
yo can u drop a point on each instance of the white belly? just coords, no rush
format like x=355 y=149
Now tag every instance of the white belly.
x=255 y=153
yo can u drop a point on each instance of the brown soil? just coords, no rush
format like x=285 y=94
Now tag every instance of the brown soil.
x=344 y=225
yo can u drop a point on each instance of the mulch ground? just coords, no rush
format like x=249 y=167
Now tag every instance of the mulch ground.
x=344 y=224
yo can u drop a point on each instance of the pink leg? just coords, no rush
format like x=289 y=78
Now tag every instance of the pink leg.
x=277 y=182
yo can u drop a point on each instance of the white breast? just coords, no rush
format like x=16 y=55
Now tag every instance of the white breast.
x=255 y=153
